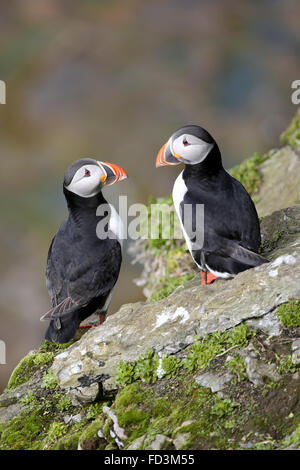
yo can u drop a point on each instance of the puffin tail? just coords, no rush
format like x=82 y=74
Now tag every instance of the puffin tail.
x=245 y=256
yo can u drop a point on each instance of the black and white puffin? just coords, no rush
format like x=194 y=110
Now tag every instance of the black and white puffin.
x=83 y=265
x=231 y=233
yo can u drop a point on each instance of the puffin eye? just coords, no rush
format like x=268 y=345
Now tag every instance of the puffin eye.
x=87 y=172
x=185 y=142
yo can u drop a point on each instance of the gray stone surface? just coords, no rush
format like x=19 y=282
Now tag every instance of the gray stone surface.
x=281 y=181
x=269 y=324
x=181 y=439
x=118 y=431
x=173 y=321
x=296 y=351
x=9 y=412
x=160 y=441
x=136 y=445
x=215 y=382
x=258 y=371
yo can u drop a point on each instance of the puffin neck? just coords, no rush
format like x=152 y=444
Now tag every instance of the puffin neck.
x=211 y=166
x=83 y=205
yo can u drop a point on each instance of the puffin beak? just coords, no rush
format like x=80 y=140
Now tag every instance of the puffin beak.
x=112 y=173
x=165 y=156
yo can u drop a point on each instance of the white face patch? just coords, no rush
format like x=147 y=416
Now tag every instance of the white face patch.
x=190 y=149
x=87 y=181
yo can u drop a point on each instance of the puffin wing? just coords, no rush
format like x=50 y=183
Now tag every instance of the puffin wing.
x=94 y=277
x=232 y=249
x=66 y=306
x=83 y=281
x=230 y=228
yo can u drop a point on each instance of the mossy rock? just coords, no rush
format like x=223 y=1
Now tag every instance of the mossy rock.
x=291 y=136
x=27 y=367
x=289 y=313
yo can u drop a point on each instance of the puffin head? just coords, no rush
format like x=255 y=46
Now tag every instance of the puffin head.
x=189 y=144
x=86 y=177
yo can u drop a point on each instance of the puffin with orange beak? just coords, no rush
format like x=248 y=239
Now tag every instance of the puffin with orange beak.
x=226 y=241
x=83 y=265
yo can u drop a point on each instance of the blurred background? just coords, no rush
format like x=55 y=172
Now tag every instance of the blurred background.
x=113 y=80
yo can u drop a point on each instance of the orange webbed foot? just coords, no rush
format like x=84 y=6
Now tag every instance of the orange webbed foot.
x=102 y=317
x=207 y=278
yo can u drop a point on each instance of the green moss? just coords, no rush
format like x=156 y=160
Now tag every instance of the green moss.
x=202 y=352
x=146 y=366
x=64 y=402
x=286 y=365
x=27 y=367
x=143 y=369
x=223 y=407
x=289 y=313
x=292 y=134
x=68 y=442
x=125 y=373
x=170 y=366
x=237 y=365
x=268 y=444
x=28 y=399
x=41 y=359
x=248 y=172
x=49 y=346
x=239 y=336
x=33 y=362
x=49 y=380
x=56 y=430
x=168 y=285
x=89 y=437
x=133 y=416
x=293 y=439
x=26 y=431
x=95 y=410
x=142 y=411
x=133 y=393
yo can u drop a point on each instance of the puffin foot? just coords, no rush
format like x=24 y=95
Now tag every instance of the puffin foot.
x=102 y=317
x=207 y=278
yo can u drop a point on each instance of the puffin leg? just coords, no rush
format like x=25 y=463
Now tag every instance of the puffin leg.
x=210 y=277
x=207 y=278
x=87 y=326
x=102 y=317
x=202 y=274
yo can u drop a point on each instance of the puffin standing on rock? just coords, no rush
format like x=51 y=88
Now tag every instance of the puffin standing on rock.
x=228 y=240
x=83 y=265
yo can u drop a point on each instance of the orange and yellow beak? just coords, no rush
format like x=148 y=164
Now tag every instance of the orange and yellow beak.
x=165 y=156
x=112 y=173
x=160 y=159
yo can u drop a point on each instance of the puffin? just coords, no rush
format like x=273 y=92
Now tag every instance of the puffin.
x=85 y=255
x=226 y=240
